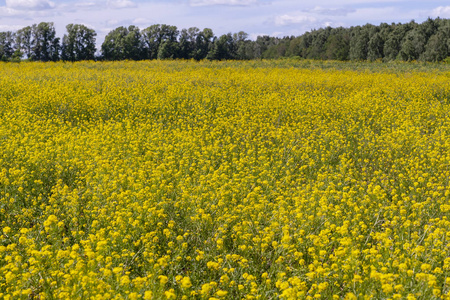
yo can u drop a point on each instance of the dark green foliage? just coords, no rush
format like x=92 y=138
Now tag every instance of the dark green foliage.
x=154 y=36
x=318 y=45
x=429 y=41
x=360 y=37
x=338 y=45
x=278 y=48
x=223 y=48
x=45 y=45
x=437 y=48
x=413 y=45
x=123 y=43
x=410 y=41
x=79 y=43
x=375 y=47
x=244 y=49
x=133 y=44
x=188 y=42
x=37 y=42
x=24 y=38
x=167 y=49
x=393 y=43
x=6 y=45
x=194 y=44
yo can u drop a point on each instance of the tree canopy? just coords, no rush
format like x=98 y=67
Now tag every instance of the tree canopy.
x=428 y=41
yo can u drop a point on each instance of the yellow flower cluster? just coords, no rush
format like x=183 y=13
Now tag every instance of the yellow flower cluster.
x=223 y=180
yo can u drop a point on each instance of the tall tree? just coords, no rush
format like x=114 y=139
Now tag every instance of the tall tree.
x=6 y=45
x=317 y=49
x=393 y=43
x=152 y=39
x=204 y=43
x=78 y=43
x=413 y=45
x=338 y=44
x=134 y=46
x=45 y=44
x=279 y=48
x=113 y=45
x=305 y=44
x=244 y=49
x=123 y=43
x=223 y=48
x=24 y=41
x=359 y=42
x=263 y=42
x=375 y=47
x=294 y=48
x=429 y=28
x=154 y=35
x=437 y=48
x=167 y=49
x=188 y=42
x=195 y=44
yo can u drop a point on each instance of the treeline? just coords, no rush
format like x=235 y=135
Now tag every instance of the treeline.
x=428 y=41
x=40 y=43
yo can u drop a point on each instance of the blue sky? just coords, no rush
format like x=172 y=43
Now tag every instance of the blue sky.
x=256 y=17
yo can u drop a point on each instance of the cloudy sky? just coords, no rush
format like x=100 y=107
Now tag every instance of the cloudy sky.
x=256 y=17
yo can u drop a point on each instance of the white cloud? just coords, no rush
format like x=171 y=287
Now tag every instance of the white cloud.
x=30 y=4
x=222 y=2
x=141 y=21
x=10 y=27
x=8 y=12
x=113 y=22
x=441 y=11
x=381 y=14
x=283 y=20
x=121 y=4
x=86 y=4
x=22 y=16
x=331 y=11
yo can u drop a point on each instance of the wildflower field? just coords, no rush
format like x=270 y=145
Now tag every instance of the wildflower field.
x=224 y=180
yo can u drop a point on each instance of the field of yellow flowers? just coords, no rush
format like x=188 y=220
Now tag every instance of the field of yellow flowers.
x=224 y=180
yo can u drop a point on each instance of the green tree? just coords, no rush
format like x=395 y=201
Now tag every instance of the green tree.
x=24 y=41
x=375 y=47
x=204 y=43
x=305 y=44
x=133 y=44
x=360 y=37
x=153 y=36
x=45 y=44
x=79 y=43
x=123 y=43
x=294 y=47
x=113 y=47
x=167 y=50
x=244 y=49
x=338 y=44
x=393 y=43
x=437 y=47
x=188 y=42
x=317 y=49
x=6 y=45
x=263 y=42
x=412 y=46
x=429 y=28
x=223 y=48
